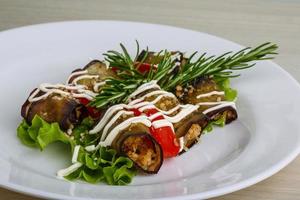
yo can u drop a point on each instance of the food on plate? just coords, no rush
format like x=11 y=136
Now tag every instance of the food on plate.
x=125 y=114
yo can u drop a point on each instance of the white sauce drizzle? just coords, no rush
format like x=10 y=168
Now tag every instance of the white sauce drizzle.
x=210 y=94
x=162 y=123
x=65 y=172
x=53 y=88
x=134 y=102
x=156 y=92
x=90 y=148
x=106 y=117
x=175 y=65
x=212 y=103
x=75 y=154
x=97 y=85
x=113 y=120
x=144 y=87
x=75 y=74
x=228 y=103
x=182 y=114
x=181 y=143
x=84 y=77
x=152 y=117
x=109 y=139
x=171 y=110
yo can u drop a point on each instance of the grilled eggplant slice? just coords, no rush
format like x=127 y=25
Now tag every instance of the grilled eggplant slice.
x=137 y=144
x=153 y=58
x=54 y=108
x=190 y=128
x=204 y=86
x=96 y=68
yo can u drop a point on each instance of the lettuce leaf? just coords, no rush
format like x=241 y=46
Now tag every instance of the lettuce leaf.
x=230 y=95
x=224 y=84
x=81 y=133
x=103 y=165
x=220 y=122
x=41 y=133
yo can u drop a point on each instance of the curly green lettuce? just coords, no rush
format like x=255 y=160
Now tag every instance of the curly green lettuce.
x=41 y=133
x=230 y=95
x=102 y=165
x=224 y=84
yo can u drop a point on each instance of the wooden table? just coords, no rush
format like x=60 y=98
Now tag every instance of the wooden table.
x=245 y=22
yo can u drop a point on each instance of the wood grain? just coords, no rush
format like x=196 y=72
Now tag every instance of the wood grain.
x=245 y=22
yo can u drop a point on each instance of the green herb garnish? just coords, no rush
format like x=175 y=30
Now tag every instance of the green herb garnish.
x=129 y=78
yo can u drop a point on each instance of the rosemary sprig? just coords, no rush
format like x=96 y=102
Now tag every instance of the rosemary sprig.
x=116 y=90
x=221 y=66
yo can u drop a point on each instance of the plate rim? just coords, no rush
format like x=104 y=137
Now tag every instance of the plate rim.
x=207 y=194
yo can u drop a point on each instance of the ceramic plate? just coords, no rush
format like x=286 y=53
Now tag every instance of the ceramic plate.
x=263 y=140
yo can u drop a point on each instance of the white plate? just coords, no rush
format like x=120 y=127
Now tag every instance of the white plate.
x=262 y=141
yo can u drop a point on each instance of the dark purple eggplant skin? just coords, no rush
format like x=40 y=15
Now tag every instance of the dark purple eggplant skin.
x=137 y=140
x=93 y=62
x=155 y=146
x=63 y=110
x=182 y=127
x=231 y=114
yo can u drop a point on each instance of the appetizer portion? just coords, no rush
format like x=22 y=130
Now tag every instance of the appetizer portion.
x=55 y=103
x=125 y=114
x=212 y=101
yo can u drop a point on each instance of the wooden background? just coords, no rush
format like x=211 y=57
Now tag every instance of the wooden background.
x=245 y=22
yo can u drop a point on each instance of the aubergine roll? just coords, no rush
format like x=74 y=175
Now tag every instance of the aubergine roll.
x=136 y=143
x=154 y=58
x=211 y=99
x=93 y=75
x=187 y=122
x=53 y=107
x=129 y=135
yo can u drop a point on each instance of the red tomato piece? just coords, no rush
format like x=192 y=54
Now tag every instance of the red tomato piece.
x=136 y=111
x=165 y=136
x=93 y=112
x=144 y=67
x=167 y=139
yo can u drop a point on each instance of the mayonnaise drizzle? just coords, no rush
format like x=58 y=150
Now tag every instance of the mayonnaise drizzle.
x=75 y=154
x=109 y=139
x=155 y=115
x=97 y=85
x=144 y=87
x=48 y=89
x=181 y=143
x=210 y=94
x=222 y=105
x=162 y=123
x=84 y=77
x=212 y=103
x=182 y=113
x=106 y=117
x=65 y=172
x=113 y=120
x=75 y=74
